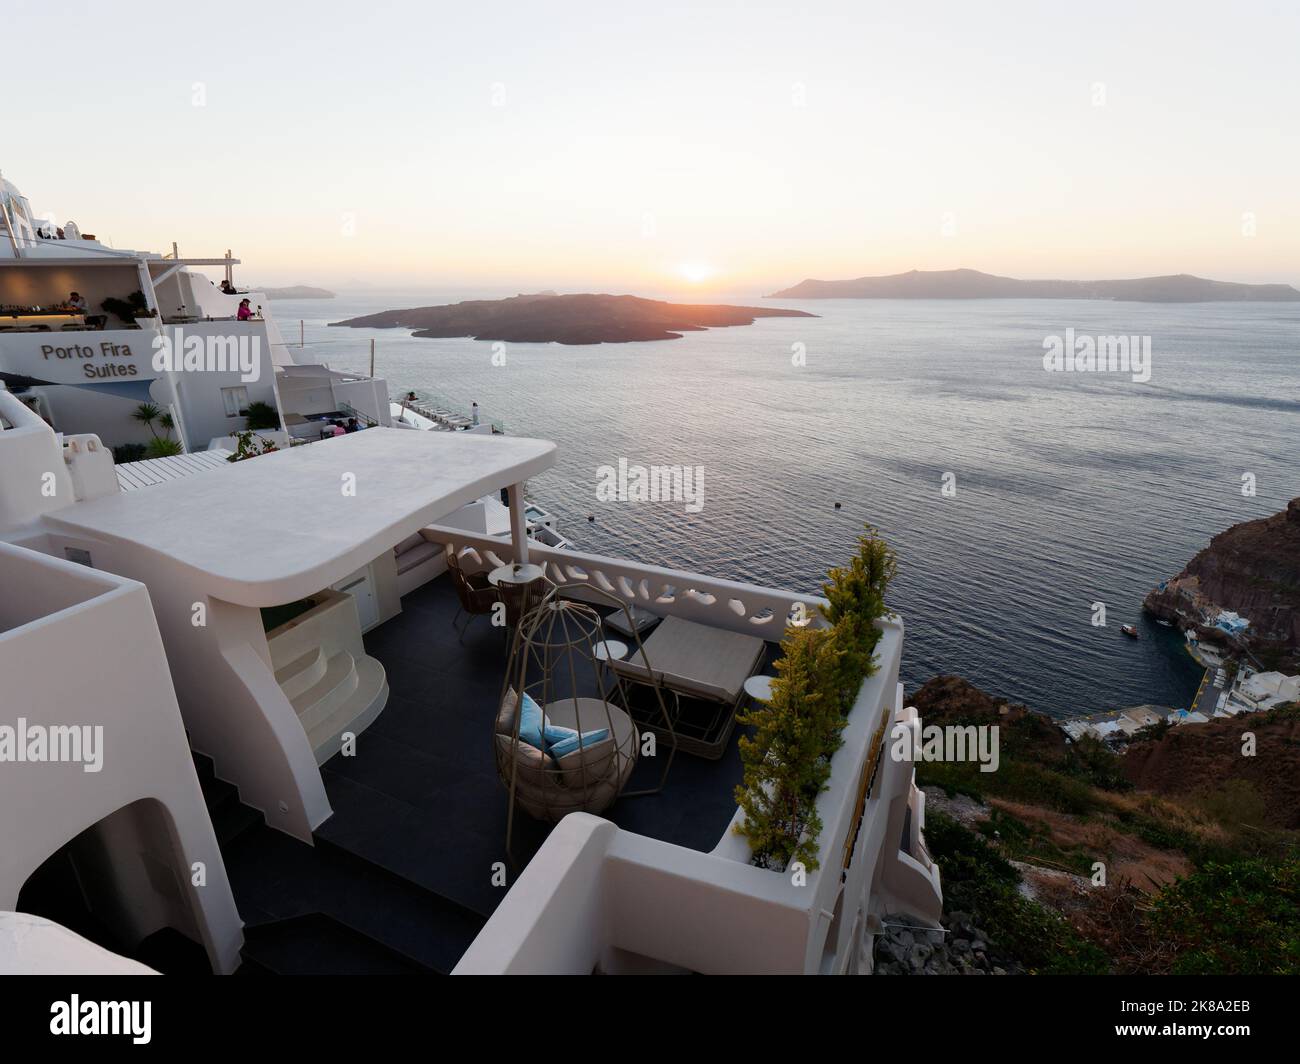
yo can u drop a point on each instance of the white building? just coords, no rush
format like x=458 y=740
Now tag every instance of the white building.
x=122 y=826
x=168 y=337
x=1263 y=690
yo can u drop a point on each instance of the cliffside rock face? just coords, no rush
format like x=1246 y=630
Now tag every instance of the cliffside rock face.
x=906 y=947
x=1193 y=757
x=945 y=700
x=1252 y=569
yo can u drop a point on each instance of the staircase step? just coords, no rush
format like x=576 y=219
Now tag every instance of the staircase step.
x=317 y=944
x=171 y=953
x=302 y=672
x=365 y=702
x=216 y=793
x=324 y=697
x=276 y=877
x=232 y=820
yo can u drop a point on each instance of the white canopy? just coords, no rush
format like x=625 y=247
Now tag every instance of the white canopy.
x=282 y=526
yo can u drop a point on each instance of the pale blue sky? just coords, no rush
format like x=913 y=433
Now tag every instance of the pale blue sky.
x=599 y=145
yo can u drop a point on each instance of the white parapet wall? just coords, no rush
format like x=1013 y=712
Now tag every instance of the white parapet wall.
x=738 y=607
x=86 y=680
x=36 y=480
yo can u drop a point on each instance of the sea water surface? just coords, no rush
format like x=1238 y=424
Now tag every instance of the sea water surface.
x=1070 y=488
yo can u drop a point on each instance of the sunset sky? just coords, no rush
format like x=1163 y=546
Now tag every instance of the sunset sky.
x=692 y=148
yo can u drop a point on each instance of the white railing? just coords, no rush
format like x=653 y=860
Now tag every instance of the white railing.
x=727 y=604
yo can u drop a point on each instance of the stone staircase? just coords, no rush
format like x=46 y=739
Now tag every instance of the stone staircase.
x=332 y=693
x=322 y=910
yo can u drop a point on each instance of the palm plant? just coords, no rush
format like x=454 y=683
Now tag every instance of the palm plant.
x=162 y=445
x=148 y=413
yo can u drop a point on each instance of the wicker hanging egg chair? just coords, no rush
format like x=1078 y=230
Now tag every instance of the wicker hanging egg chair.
x=564 y=741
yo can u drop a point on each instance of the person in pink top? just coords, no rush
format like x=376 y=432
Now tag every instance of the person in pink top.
x=245 y=312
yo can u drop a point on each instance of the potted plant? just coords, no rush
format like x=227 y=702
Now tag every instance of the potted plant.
x=797 y=731
x=135 y=308
x=261 y=415
x=249 y=445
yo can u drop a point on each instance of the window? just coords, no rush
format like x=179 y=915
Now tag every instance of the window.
x=235 y=400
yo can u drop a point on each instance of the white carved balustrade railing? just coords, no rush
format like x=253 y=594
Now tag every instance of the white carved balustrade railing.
x=737 y=607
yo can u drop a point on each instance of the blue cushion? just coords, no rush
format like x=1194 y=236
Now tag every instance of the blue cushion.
x=576 y=741
x=536 y=730
x=531 y=721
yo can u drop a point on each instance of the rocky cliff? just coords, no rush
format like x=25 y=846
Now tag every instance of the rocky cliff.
x=1252 y=569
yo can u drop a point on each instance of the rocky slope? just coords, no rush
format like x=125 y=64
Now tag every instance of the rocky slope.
x=569 y=319
x=907 y=948
x=1197 y=844
x=1252 y=569
x=1188 y=760
x=1263 y=786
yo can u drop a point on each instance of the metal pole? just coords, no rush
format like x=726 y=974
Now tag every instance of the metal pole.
x=372 y=359
x=9 y=228
x=301 y=334
x=146 y=286
x=518 y=526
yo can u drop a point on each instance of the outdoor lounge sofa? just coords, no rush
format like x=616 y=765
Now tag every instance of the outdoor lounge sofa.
x=694 y=661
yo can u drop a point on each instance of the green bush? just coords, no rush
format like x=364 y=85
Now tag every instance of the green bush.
x=977 y=880
x=1018 y=781
x=1241 y=918
x=249 y=445
x=1091 y=760
x=787 y=758
x=261 y=415
x=134 y=306
x=162 y=447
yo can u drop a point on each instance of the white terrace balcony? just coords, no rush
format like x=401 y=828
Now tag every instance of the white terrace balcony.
x=413 y=805
x=657 y=882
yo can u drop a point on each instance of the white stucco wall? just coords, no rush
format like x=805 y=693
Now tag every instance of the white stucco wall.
x=80 y=648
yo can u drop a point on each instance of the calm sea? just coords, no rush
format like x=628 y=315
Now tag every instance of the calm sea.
x=1071 y=489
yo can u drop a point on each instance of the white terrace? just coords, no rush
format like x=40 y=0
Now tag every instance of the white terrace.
x=289 y=628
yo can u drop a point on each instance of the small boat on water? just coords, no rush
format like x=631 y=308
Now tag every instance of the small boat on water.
x=1129 y=631
x=1164 y=623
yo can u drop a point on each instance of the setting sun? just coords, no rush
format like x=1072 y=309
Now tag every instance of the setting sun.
x=696 y=272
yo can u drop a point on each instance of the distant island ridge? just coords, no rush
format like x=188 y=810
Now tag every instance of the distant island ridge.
x=972 y=284
x=545 y=317
x=297 y=291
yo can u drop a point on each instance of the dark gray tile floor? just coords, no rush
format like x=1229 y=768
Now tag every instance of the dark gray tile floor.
x=421 y=797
